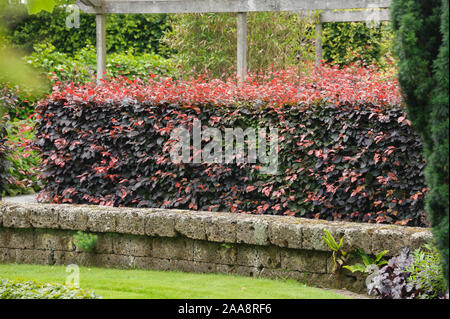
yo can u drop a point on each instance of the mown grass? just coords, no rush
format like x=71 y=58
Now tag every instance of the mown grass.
x=137 y=284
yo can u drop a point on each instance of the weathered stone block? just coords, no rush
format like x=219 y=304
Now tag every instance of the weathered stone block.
x=312 y=236
x=144 y=262
x=15 y=216
x=253 y=231
x=53 y=240
x=132 y=245
x=245 y=271
x=74 y=218
x=221 y=229
x=131 y=222
x=105 y=243
x=44 y=218
x=160 y=224
x=204 y=267
x=387 y=238
x=66 y=257
x=7 y=255
x=102 y=221
x=259 y=257
x=214 y=252
x=418 y=239
x=31 y=256
x=173 y=248
x=357 y=237
x=16 y=238
x=191 y=225
x=224 y=269
x=110 y=260
x=304 y=260
x=286 y=234
x=161 y=264
x=284 y=274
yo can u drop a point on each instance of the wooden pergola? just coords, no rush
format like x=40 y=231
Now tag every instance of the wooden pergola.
x=330 y=11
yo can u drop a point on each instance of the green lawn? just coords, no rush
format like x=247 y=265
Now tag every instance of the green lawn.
x=121 y=284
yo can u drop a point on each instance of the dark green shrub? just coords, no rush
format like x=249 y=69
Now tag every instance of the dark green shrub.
x=142 y=32
x=437 y=170
x=350 y=42
x=85 y=241
x=24 y=161
x=80 y=68
x=21 y=289
x=421 y=44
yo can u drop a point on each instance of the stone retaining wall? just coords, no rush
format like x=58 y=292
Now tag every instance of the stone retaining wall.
x=191 y=241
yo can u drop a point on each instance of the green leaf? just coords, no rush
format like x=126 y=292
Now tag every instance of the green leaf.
x=341 y=242
x=380 y=255
x=36 y=6
x=356 y=267
x=366 y=259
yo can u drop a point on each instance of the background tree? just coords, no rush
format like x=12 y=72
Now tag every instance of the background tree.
x=421 y=44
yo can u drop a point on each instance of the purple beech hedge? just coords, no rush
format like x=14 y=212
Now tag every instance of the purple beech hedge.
x=347 y=160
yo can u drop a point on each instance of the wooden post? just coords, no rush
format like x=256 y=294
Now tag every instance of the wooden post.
x=242 y=46
x=101 y=47
x=318 y=43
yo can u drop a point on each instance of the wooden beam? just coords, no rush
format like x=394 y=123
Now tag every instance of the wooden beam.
x=92 y=3
x=242 y=46
x=355 y=16
x=101 y=46
x=203 y=6
x=318 y=43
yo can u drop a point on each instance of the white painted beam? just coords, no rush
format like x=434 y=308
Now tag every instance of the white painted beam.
x=355 y=16
x=203 y=6
x=318 y=43
x=242 y=46
x=92 y=3
x=101 y=46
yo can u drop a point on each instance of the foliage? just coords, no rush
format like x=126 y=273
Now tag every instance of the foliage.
x=350 y=42
x=346 y=151
x=339 y=256
x=207 y=42
x=426 y=273
x=81 y=67
x=85 y=241
x=15 y=76
x=61 y=67
x=3 y=163
x=391 y=280
x=21 y=289
x=421 y=44
x=437 y=170
x=24 y=160
x=410 y=276
x=141 y=32
x=370 y=264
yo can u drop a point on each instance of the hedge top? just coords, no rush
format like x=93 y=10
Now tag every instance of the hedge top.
x=349 y=85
